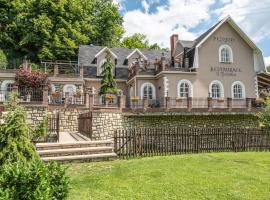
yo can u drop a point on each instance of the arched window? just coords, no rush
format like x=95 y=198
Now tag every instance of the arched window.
x=148 y=90
x=216 y=90
x=9 y=87
x=184 y=88
x=238 y=90
x=69 y=89
x=225 y=54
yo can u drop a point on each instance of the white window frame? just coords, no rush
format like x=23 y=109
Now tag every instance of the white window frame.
x=5 y=83
x=148 y=84
x=243 y=89
x=67 y=86
x=101 y=63
x=230 y=54
x=190 y=91
x=221 y=89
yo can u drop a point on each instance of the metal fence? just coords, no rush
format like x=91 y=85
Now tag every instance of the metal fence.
x=30 y=95
x=154 y=141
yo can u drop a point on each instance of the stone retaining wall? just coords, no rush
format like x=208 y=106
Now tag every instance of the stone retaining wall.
x=104 y=124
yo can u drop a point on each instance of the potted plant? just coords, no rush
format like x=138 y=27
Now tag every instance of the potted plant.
x=179 y=99
x=220 y=100
x=56 y=94
x=78 y=94
x=259 y=101
x=134 y=99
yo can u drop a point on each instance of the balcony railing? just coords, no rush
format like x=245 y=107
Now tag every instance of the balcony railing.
x=206 y=104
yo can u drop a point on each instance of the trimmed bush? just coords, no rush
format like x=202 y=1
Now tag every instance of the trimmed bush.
x=33 y=180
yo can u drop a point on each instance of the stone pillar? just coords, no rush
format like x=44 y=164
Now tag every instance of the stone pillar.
x=168 y=103
x=145 y=103
x=86 y=96
x=81 y=71
x=55 y=70
x=210 y=104
x=189 y=103
x=229 y=104
x=66 y=100
x=91 y=101
x=122 y=102
x=249 y=104
x=45 y=100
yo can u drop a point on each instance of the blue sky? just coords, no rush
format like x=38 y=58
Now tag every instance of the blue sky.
x=158 y=19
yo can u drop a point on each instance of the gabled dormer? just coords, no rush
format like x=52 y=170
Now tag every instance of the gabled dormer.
x=136 y=54
x=100 y=59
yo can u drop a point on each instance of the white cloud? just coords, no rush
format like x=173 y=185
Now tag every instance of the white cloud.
x=252 y=17
x=145 y=5
x=120 y=3
x=177 y=16
x=267 y=61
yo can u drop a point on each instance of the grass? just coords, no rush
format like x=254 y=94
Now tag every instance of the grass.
x=198 y=176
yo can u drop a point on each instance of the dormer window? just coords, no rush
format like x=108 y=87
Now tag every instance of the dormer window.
x=225 y=54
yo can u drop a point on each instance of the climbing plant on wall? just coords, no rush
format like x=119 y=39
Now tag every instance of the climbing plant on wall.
x=31 y=79
x=108 y=83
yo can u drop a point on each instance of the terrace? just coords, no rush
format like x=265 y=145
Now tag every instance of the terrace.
x=141 y=67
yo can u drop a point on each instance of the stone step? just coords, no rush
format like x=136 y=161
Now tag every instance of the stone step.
x=82 y=158
x=79 y=144
x=75 y=151
x=79 y=137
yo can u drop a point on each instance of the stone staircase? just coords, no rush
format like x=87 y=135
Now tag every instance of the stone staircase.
x=80 y=151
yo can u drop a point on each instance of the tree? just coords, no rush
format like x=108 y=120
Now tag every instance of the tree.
x=3 y=60
x=108 y=84
x=15 y=138
x=139 y=41
x=264 y=116
x=48 y=29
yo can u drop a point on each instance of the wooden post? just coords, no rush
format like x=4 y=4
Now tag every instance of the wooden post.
x=229 y=104
x=210 y=104
x=45 y=99
x=145 y=103
x=189 y=103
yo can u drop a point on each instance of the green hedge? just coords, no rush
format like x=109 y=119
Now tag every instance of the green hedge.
x=32 y=181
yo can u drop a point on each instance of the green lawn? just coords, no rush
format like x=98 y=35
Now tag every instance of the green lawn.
x=195 y=176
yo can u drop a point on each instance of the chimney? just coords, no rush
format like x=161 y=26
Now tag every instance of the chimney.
x=173 y=39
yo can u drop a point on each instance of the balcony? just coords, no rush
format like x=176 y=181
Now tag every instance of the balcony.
x=145 y=68
x=62 y=69
x=192 y=105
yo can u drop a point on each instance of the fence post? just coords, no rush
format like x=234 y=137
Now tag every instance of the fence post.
x=210 y=103
x=145 y=103
x=45 y=99
x=229 y=103
x=189 y=103
x=248 y=104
